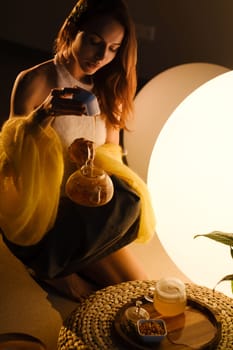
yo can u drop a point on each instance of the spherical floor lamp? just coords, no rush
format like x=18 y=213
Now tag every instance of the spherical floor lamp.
x=184 y=122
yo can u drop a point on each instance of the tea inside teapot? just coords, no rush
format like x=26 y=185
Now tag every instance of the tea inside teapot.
x=89 y=185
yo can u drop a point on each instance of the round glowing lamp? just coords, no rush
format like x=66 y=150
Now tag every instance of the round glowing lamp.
x=190 y=178
x=154 y=104
x=180 y=143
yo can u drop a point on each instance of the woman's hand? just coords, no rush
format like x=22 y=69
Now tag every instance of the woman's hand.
x=59 y=102
x=80 y=151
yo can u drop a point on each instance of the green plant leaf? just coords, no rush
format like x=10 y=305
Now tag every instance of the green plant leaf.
x=226 y=278
x=222 y=237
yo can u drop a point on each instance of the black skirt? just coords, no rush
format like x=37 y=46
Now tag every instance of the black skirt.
x=82 y=235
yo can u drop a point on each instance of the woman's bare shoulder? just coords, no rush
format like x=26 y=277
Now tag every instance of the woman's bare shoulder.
x=42 y=72
x=32 y=86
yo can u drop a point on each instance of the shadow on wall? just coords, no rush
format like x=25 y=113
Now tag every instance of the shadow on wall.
x=13 y=59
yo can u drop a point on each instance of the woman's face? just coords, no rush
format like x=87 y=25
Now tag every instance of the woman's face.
x=97 y=44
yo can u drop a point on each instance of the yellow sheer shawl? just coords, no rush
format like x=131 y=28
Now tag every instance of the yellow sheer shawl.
x=109 y=157
x=31 y=171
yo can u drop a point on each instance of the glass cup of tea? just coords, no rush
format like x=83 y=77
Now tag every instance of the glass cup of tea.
x=169 y=296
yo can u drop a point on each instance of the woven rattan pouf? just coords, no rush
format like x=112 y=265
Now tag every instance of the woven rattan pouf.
x=90 y=325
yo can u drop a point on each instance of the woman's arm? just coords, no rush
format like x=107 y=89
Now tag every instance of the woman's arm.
x=30 y=89
x=35 y=96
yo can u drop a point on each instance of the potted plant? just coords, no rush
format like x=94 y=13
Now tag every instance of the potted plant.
x=224 y=238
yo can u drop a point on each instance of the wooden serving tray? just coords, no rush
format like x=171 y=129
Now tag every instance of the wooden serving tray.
x=197 y=328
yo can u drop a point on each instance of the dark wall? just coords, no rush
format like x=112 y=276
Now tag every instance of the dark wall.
x=27 y=32
x=14 y=58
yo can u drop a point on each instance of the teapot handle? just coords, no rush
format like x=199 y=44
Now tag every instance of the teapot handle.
x=96 y=195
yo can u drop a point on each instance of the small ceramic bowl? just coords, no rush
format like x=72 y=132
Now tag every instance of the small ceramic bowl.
x=152 y=330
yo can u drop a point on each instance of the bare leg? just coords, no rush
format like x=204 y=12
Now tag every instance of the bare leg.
x=117 y=267
x=72 y=286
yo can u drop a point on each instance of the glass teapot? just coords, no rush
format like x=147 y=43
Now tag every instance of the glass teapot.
x=88 y=185
x=135 y=313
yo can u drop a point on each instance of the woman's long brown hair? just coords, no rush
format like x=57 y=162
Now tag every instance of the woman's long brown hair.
x=115 y=83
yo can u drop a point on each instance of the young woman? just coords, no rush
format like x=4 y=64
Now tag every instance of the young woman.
x=74 y=248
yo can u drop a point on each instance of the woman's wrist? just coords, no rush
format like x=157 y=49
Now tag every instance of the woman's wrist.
x=40 y=117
